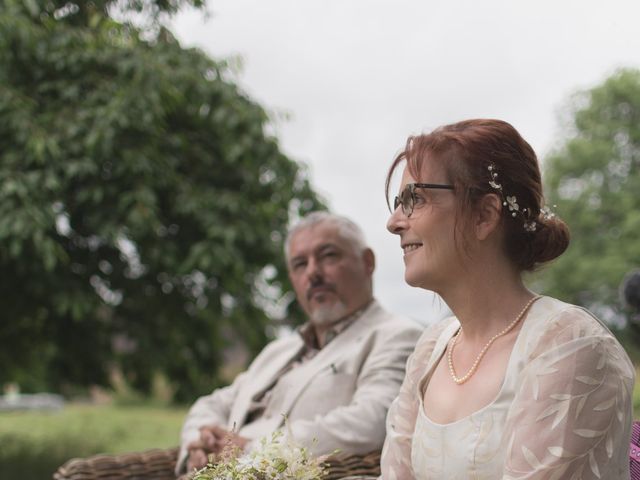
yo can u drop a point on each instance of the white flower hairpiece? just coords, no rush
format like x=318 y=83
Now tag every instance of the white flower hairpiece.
x=547 y=214
x=511 y=202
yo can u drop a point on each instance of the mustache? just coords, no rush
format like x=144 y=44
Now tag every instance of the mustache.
x=321 y=285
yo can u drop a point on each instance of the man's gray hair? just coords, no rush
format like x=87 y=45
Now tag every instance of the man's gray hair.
x=347 y=229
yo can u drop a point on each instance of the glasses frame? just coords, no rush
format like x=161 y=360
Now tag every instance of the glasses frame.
x=407 y=210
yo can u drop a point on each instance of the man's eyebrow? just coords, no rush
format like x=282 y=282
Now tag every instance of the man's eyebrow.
x=327 y=246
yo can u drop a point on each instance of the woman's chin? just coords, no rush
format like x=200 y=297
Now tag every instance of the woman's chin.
x=420 y=279
x=412 y=280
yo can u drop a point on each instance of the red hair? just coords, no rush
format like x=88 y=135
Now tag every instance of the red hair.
x=465 y=150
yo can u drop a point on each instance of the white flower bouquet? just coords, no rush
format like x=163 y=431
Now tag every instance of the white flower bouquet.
x=276 y=458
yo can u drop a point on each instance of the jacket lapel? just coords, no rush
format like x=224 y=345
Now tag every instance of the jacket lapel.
x=326 y=359
x=266 y=374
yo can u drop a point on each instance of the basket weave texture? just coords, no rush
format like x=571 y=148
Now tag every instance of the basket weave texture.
x=159 y=464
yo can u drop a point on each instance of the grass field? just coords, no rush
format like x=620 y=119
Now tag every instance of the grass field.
x=35 y=444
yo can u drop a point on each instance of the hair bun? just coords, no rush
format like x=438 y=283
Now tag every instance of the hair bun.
x=550 y=239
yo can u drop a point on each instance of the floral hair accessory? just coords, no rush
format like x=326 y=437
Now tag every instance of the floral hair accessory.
x=511 y=202
x=547 y=214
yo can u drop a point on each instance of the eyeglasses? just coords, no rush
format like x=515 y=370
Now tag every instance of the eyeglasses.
x=407 y=197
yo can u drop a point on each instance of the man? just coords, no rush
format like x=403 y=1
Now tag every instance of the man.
x=334 y=378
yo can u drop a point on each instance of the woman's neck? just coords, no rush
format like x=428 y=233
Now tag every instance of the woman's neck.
x=485 y=301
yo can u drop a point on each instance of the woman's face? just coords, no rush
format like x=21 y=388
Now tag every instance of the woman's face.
x=427 y=238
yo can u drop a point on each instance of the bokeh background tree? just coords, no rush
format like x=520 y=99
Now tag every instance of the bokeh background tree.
x=594 y=179
x=142 y=202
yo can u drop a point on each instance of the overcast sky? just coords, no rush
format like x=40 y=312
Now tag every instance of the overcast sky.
x=356 y=77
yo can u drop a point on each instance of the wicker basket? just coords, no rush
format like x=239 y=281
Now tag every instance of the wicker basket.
x=159 y=465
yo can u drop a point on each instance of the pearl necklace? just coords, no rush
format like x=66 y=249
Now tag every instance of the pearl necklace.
x=472 y=370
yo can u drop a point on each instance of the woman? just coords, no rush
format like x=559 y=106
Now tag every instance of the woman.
x=514 y=385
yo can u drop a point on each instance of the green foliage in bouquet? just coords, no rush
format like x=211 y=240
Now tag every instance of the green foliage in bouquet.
x=276 y=458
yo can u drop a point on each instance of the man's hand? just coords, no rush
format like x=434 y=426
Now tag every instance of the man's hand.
x=223 y=439
x=213 y=440
x=197 y=457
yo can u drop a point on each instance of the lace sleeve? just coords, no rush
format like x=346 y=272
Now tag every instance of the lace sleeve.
x=572 y=414
x=395 y=462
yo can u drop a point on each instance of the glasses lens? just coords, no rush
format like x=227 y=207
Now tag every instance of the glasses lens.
x=406 y=198
x=396 y=203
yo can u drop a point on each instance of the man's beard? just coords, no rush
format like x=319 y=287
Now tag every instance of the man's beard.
x=325 y=315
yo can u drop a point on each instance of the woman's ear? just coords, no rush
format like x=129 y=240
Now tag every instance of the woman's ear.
x=488 y=216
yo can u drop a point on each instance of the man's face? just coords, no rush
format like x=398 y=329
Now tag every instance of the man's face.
x=330 y=278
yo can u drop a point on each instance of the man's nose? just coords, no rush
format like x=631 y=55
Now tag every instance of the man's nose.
x=314 y=271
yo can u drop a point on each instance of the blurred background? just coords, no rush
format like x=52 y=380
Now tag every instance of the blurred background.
x=153 y=152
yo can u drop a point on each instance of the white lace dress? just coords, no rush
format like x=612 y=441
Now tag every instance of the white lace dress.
x=564 y=410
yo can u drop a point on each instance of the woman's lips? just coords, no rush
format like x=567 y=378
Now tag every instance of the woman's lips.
x=410 y=247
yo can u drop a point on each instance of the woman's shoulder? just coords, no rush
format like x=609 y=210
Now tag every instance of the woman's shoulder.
x=436 y=333
x=558 y=327
x=435 y=336
x=551 y=316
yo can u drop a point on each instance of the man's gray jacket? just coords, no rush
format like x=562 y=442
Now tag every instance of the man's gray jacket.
x=336 y=400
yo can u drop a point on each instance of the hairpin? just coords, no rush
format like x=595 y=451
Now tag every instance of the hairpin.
x=546 y=212
x=511 y=202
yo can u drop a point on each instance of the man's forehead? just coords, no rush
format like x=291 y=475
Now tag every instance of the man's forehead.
x=315 y=238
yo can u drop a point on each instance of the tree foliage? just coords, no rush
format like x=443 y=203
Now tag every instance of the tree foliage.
x=142 y=203
x=594 y=179
x=79 y=12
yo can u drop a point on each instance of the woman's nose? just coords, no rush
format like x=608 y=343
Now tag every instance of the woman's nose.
x=397 y=221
